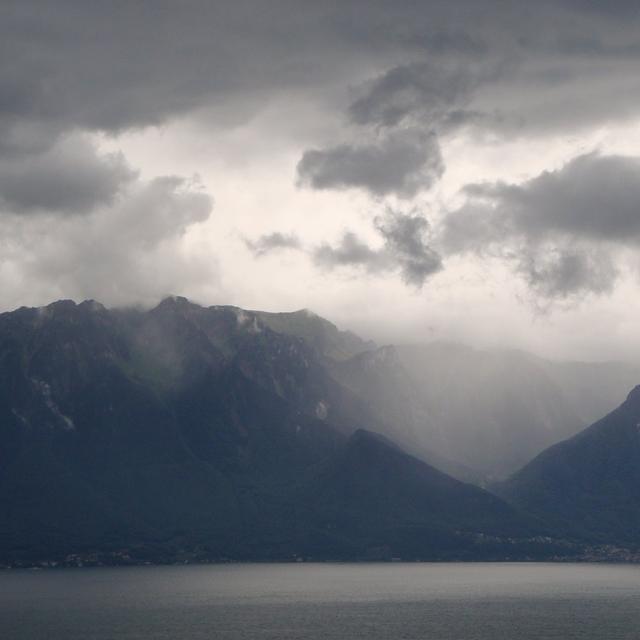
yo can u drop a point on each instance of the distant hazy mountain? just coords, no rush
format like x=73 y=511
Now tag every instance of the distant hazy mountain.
x=588 y=485
x=191 y=432
x=319 y=333
x=486 y=410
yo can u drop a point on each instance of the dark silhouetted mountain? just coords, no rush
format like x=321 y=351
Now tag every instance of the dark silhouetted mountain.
x=588 y=485
x=488 y=412
x=192 y=432
x=372 y=490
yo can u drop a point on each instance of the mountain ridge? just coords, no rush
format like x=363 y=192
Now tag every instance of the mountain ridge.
x=191 y=432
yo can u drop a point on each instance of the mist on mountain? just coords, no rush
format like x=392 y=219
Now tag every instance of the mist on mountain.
x=216 y=432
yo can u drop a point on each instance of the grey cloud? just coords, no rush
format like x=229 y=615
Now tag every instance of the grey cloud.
x=402 y=163
x=413 y=102
x=406 y=241
x=562 y=229
x=405 y=249
x=69 y=178
x=128 y=252
x=553 y=71
x=73 y=66
x=160 y=208
x=543 y=88
x=567 y=273
x=107 y=66
x=24 y=136
x=593 y=196
x=428 y=90
x=350 y=251
x=445 y=41
x=270 y=242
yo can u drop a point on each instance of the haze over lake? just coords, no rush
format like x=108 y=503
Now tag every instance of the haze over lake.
x=324 y=601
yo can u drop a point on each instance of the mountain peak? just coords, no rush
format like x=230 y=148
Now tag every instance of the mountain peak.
x=307 y=313
x=91 y=305
x=173 y=303
x=58 y=309
x=60 y=305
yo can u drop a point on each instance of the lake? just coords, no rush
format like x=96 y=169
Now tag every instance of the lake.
x=324 y=601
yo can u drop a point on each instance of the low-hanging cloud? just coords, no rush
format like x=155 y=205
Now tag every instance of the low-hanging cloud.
x=561 y=273
x=562 y=229
x=272 y=242
x=401 y=163
x=406 y=238
x=351 y=251
x=130 y=251
x=404 y=249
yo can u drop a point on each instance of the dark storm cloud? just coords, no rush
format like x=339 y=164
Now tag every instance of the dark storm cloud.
x=414 y=103
x=406 y=242
x=405 y=249
x=429 y=90
x=532 y=73
x=544 y=88
x=107 y=66
x=561 y=229
x=271 y=242
x=116 y=65
x=402 y=163
x=540 y=72
x=68 y=178
x=612 y=7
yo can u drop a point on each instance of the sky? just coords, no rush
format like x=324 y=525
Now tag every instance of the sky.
x=413 y=171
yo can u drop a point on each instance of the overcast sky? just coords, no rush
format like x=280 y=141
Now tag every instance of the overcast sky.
x=411 y=170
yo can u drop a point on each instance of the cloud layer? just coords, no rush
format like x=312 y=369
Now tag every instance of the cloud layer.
x=129 y=252
x=405 y=248
x=378 y=105
x=70 y=177
x=563 y=230
x=402 y=164
x=271 y=242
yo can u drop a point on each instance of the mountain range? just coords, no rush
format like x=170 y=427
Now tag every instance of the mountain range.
x=187 y=433
x=489 y=411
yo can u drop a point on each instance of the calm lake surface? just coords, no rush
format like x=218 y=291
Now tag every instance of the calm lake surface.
x=324 y=601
